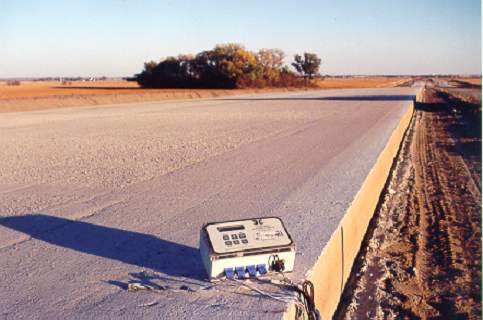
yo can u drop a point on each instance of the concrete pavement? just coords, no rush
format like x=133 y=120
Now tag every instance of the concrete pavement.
x=91 y=197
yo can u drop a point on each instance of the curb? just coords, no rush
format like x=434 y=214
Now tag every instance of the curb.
x=333 y=267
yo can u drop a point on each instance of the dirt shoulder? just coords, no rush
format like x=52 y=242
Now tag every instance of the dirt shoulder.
x=95 y=97
x=41 y=95
x=421 y=258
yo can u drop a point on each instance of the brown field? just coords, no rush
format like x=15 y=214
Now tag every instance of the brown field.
x=361 y=82
x=41 y=95
x=476 y=81
x=37 y=89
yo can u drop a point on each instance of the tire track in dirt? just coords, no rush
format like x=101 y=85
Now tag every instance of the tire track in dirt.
x=421 y=258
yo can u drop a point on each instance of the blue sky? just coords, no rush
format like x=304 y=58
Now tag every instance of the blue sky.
x=114 y=38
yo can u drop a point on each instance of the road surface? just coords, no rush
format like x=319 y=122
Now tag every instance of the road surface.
x=93 y=198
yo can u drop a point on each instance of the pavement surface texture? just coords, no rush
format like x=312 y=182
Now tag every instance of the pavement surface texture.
x=92 y=199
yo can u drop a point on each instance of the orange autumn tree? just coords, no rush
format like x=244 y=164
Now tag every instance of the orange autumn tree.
x=225 y=66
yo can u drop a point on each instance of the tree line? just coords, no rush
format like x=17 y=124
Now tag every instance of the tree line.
x=229 y=66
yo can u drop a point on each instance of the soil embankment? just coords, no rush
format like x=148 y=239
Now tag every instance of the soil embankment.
x=421 y=258
x=42 y=95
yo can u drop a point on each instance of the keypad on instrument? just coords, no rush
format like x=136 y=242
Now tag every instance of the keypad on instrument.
x=232 y=239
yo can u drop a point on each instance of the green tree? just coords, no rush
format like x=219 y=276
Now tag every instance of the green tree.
x=308 y=65
x=145 y=77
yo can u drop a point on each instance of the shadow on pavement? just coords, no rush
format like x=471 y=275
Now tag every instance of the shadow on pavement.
x=336 y=98
x=139 y=249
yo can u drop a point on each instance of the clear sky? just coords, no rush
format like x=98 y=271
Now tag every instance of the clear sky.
x=115 y=37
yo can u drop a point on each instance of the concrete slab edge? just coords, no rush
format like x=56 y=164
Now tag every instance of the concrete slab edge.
x=333 y=267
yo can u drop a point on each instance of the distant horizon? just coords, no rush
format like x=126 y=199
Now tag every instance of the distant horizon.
x=114 y=38
x=97 y=78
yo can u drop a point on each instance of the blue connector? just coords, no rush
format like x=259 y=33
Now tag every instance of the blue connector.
x=262 y=268
x=240 y=271
x=252 y=270
x=229 y=273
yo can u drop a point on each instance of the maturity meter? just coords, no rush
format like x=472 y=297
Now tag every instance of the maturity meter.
x=246 y=248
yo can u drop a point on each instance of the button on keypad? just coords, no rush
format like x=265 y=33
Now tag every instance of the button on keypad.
x=234 y=239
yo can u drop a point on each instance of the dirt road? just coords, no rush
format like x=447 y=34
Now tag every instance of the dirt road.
x=422 y=255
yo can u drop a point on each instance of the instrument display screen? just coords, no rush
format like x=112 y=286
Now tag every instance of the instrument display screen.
x=231 y=228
